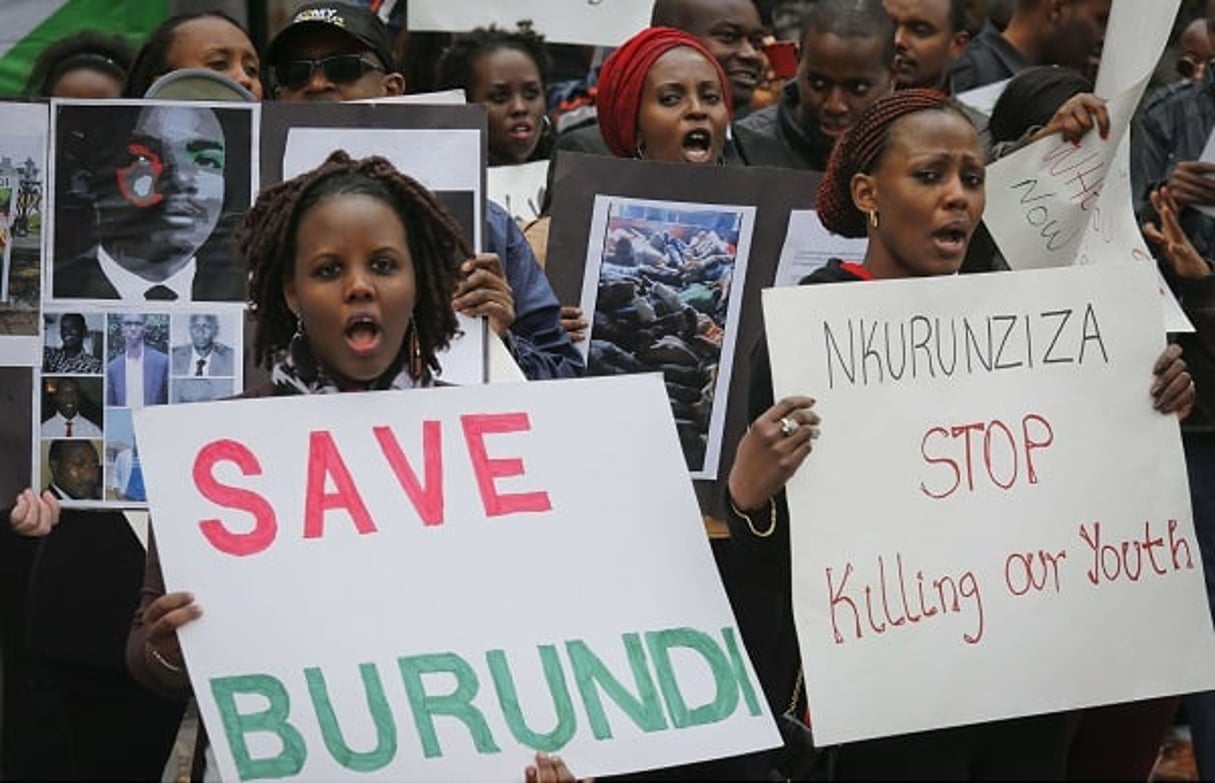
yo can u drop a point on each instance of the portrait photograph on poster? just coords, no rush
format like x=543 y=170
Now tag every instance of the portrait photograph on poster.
x=145 y=199
x=659 y=291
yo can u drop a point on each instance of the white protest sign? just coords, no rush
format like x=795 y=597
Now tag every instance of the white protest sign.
x=1055 y=203
x=520 y=188
x=595 y=22
x=809 y=245
x=992 y=504
x=423 y=585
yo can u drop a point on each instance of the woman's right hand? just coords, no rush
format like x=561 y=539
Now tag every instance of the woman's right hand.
x=161 y=620
x=767 y=457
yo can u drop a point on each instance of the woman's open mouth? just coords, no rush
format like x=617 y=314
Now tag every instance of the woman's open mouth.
x=698 y=146
x=951 y=240
x=521 y=132
x=363 y=335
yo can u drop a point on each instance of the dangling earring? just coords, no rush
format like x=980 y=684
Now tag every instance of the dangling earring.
x=640 y=150
x=873 y=218
x=301 y=352
x=416 y=367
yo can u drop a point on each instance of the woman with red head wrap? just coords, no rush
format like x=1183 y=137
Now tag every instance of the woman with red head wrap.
x=909 y=176
x=663 y=96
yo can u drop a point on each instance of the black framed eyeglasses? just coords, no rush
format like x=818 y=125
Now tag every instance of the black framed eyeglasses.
x=339 y=69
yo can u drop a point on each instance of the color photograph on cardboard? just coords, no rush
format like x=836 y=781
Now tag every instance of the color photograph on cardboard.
x=658 y=287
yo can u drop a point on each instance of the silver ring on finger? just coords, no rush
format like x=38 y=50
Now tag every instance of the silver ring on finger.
x=788 y=426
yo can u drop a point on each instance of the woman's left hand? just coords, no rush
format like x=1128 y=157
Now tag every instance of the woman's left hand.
x=1173 y=388
x=484 y=291
x=34 y=514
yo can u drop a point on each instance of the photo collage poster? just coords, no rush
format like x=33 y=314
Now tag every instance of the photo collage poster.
x=143 y=293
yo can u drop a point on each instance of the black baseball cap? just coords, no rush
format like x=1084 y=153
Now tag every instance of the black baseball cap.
x=358 y=22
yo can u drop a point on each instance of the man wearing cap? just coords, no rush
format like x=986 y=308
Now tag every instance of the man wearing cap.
x=331 y=51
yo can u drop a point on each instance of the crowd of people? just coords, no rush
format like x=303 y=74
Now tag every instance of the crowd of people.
x=354 y=274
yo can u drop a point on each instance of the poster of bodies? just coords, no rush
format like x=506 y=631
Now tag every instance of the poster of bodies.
x=143 y=291
x=23 y=130
x=442 y=147
x=668 y=265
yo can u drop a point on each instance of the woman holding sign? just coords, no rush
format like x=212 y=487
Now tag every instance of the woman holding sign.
x=353 y=267
x=910 y=177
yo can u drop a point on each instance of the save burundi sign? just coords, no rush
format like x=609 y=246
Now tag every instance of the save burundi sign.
x=435 y=584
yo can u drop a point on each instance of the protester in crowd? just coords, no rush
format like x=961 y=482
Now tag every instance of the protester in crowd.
x=201 y=39
x=928 y=36
x=732 y=32
x=353 y=268
x=85 y=65
x=506 y=284
x=1196 y=49
x=847 y=50
x=1041 y=32
x=1194 y=283
x=507 y=72
x=729 y=30
x=1167 y=143
x=871 y=190
x=663 y=96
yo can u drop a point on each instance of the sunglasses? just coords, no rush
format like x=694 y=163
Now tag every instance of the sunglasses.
x=339 y=69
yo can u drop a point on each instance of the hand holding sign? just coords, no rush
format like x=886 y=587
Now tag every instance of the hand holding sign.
x=775 y=446
x=34 y=514
x=484 y=291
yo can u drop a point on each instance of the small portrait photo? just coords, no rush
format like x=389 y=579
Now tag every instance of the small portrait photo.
x=71 y=469
x=201 y=389
x=146 y=200
x=660 y=283
x=137 y=368
x=73 y=342
x=123 y=473
x=203 y=345
x=71 y=407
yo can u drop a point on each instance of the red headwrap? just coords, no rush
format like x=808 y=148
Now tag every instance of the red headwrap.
x=622 y=79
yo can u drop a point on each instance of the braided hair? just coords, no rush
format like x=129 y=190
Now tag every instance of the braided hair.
x=861 y=149
x=267 y=240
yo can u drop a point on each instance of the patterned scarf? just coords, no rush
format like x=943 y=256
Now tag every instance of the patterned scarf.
x=298 y=372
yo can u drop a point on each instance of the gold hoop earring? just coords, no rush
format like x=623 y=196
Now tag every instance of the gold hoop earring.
x=873 y=218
